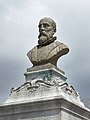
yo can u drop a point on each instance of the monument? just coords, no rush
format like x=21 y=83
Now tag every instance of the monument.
x=45 y=93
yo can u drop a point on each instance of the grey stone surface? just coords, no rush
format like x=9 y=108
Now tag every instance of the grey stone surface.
x=42 y=84
x=56 y=108
x=45 y=66
x=47 y=50
x=50 y=74
x=41 y=99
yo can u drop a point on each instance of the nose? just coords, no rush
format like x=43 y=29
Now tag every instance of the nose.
x=42 y=27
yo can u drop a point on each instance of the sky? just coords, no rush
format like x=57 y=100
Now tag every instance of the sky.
x=19 y=34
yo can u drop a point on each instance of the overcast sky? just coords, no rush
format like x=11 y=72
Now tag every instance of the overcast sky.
x=19 y=33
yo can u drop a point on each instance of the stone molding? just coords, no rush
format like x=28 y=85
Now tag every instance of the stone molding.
x=58 y=106
x=40 y=89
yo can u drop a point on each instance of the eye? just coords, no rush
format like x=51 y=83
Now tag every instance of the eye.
x=45 y=25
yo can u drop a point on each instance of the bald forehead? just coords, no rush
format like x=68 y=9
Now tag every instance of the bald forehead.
x=47 y=20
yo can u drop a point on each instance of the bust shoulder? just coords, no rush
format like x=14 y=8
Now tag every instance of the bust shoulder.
x=58 y=49
x=47 y=54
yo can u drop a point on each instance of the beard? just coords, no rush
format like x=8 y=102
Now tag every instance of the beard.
x=44 y=38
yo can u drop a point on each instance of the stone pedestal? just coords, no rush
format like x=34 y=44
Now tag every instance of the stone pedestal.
x=54 y=108
x=45 y=95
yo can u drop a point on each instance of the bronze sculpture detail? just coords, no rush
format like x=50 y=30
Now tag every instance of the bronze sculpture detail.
x=48 y=50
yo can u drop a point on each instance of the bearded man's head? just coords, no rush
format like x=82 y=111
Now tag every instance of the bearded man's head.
x=47 y=28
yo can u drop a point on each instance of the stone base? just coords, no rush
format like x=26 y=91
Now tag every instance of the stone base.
x=44 y=96
x=45 y=66
x=49 y=74
x=54 y=108
x=42 y=84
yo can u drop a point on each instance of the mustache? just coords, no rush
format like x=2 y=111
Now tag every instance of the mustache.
x=43 y=33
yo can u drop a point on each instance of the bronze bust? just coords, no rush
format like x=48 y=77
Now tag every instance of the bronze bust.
x=48 y=50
